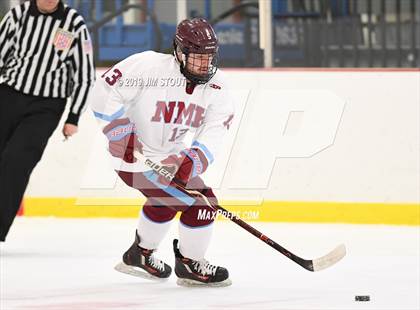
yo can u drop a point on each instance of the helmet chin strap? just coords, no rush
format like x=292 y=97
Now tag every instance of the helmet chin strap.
x=183 y=61
x=184 y=66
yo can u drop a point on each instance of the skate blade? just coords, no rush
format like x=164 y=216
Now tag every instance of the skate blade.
x=193 y=283
x=137 y=272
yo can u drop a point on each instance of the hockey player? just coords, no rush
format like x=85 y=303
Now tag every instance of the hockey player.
x=147 y=103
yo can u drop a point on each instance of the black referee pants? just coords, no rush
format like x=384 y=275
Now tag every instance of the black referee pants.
x=26 y=123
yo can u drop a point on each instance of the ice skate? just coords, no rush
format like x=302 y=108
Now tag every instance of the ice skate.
x=142 y=263
x=198 y=273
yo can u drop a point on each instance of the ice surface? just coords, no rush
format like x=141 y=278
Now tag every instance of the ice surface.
x=67 y=264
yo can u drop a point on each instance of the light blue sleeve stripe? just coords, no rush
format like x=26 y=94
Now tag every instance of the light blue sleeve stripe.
x=153 y=177
x=110 y=118
x=206 y=151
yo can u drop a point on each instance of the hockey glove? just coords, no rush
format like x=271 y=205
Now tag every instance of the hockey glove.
x=122 y=137
x=187 y=165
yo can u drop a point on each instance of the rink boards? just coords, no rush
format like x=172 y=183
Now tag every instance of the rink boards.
x=322 y=146
x=266 y=211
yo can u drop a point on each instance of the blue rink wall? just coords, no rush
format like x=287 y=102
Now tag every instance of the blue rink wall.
x=325 y=146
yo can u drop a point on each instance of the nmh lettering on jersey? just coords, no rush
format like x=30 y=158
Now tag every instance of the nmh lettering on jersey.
x=187 y=114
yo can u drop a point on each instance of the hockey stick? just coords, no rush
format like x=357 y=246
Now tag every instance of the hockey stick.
x=317 y=264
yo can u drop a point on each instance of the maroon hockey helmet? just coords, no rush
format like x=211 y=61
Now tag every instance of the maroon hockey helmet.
x=196 y=36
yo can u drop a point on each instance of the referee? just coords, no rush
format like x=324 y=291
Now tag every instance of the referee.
x=45 y=57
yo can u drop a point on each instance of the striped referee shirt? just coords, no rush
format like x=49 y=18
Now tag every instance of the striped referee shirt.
x=47 y=55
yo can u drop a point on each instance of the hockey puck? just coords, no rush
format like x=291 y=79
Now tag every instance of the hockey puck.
x=362 y=298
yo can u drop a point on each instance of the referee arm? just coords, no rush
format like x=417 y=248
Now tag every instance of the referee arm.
x=83 y=78
x=6 y=33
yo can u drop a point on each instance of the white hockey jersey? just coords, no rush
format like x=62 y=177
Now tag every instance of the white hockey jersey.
x=150 y=90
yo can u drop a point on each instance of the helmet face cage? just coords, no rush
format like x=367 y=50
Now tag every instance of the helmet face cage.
x=196 y=46
x=196 y=67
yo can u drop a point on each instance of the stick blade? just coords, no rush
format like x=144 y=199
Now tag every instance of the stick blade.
x=330 y=259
